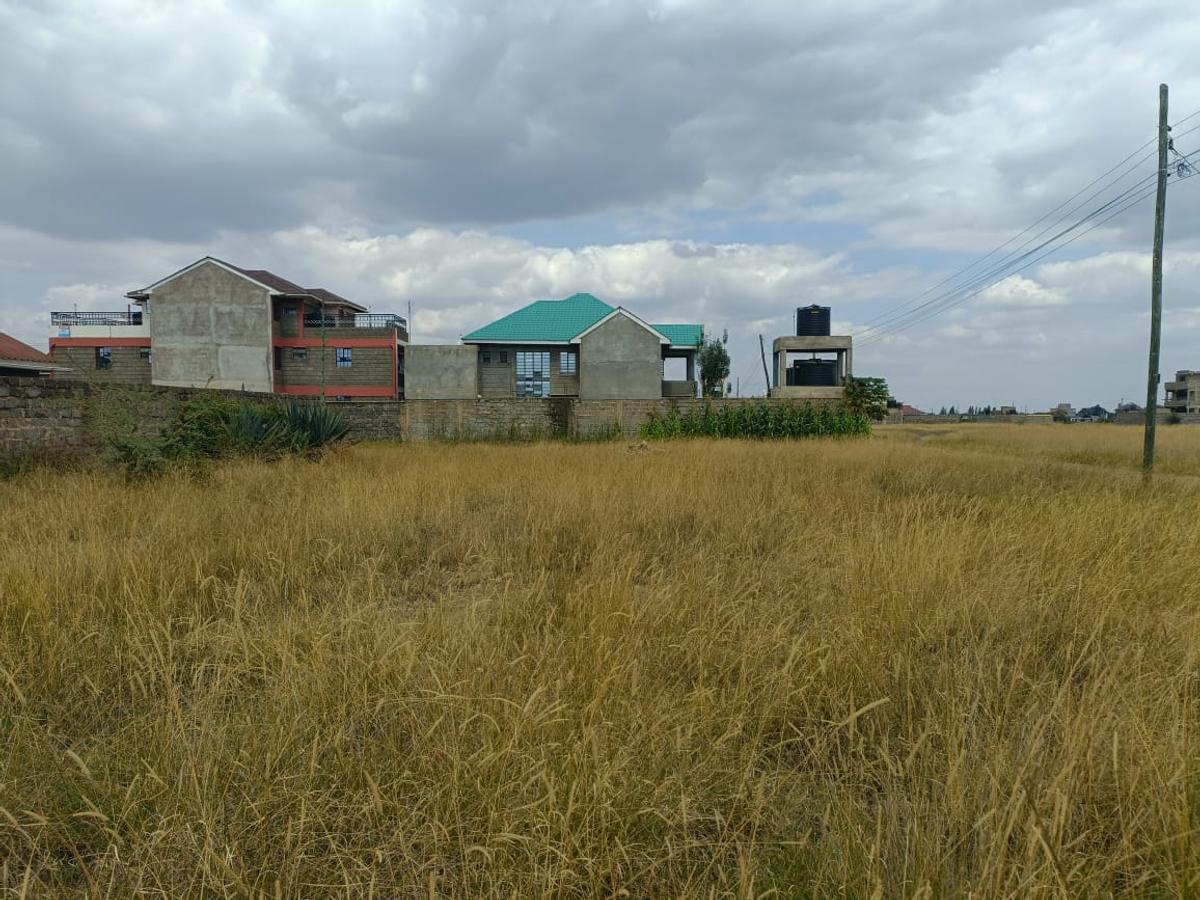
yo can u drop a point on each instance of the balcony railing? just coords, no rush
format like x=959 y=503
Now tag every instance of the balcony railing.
x=359 y=320
x=96 y=318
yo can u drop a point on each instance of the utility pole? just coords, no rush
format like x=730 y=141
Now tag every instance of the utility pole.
x=762 y=348
x=1160 y=211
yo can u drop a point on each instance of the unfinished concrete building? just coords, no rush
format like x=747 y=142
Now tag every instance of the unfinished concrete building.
x=214 y=324
x=1183 y=394
x=812 y=364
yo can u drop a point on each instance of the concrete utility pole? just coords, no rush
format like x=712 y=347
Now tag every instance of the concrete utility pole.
x=1160 y=212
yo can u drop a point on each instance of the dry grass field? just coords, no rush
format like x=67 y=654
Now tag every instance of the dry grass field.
x=916 y=665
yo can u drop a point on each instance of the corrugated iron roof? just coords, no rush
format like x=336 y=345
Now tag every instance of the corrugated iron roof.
x=561 y=321
x=11 y=348
x=555 y=321
x=682 y=335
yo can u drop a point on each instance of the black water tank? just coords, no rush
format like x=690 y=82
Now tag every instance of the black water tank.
x=812 y=321
x=812 y=373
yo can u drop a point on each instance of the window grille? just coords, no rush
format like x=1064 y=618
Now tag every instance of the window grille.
x=533 y=373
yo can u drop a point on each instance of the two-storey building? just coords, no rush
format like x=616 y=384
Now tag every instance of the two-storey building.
x=213 y=324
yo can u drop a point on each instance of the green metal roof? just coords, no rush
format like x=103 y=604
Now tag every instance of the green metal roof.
x=545 y=320
x=561 y=321
x=682 y=335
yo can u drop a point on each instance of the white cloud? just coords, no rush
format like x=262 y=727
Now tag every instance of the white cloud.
x=1020 y=291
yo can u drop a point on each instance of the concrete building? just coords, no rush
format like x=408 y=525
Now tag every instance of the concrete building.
x=582 y=347
x=1183 y=394
x=214 y=324
x=19 y=360
x=812 y=364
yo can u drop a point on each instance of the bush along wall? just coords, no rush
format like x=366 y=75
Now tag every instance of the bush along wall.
x=758 y=420
x=217 y=427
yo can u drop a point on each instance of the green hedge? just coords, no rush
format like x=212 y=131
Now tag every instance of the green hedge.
x=758 y=420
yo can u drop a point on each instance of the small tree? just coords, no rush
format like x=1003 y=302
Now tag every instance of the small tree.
x=867 y=396
x=942 y=412
x=714 y=367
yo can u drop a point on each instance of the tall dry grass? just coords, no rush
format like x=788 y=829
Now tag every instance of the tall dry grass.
x=863 y=668
x=1177 y=446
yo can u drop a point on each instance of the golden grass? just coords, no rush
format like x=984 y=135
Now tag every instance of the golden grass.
x=872 y=668
x=1177 y=447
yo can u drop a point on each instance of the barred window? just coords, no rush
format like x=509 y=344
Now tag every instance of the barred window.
x=533 y=373
x=568 y=363
x=495 y=357
x=345 y=357
x=299 y=353
x=104 y=357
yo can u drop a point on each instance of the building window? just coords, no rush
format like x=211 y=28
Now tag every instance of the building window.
x=495 y=357
x=533 y=373
x=104 y=357
x=299 y=353
x=568 y=363
x=144 y=353
x=345 y=357
x=278 y=358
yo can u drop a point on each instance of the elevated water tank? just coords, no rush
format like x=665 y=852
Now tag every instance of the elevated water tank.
x=812 y=373
x=812 y=321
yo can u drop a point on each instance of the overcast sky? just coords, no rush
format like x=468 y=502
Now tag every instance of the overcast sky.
x=718 y=162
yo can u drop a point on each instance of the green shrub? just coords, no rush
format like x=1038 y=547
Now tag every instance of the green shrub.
x=218 y=427
x=310 y=426
x=757 y=420
x=139 y=458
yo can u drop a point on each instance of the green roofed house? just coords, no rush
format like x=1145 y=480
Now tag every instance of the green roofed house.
x=582 y=347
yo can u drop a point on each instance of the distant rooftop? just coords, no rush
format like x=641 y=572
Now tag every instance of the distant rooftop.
x=13 y=350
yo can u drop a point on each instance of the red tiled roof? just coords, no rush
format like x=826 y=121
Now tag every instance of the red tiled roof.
x=912 y=411
x=11 y=348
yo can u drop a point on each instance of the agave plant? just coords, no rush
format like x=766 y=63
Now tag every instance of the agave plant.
x=310 y=426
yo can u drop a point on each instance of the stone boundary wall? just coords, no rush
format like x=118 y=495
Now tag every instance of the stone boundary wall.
x=40 y=416
x=53 y=417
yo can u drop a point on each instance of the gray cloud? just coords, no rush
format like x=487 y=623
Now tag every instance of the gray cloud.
x=379 y=152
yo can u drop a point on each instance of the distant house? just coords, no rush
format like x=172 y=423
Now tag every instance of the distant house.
x=1092 y=414
x=581 y=346
x=907 y=410
x=214 y=324
x=19 y=360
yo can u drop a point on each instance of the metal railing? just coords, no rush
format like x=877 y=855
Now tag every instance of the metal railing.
x=359 y=320
x=96 y=318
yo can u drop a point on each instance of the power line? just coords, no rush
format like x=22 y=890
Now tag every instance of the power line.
x=884 y=319
x=1008 y=261
x=1142 y=196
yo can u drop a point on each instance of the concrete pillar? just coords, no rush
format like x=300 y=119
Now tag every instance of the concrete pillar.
x=691 y=366
x=781 y=368
x=849 y=362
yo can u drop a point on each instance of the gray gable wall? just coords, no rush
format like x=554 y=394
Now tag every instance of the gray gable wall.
x=620 y=360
